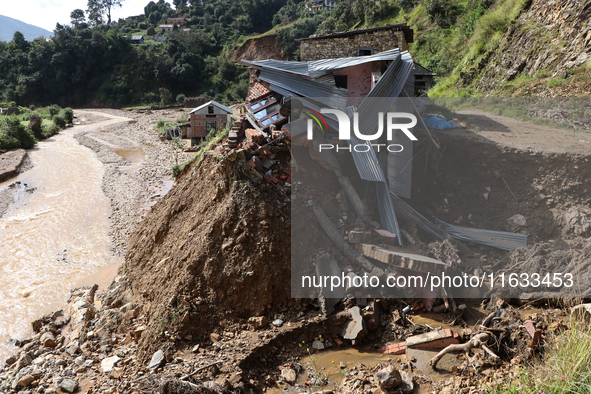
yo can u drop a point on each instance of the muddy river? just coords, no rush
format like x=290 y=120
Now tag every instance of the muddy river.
x=56 y=236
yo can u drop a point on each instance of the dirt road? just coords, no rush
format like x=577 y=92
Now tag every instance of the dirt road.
x=528 y=135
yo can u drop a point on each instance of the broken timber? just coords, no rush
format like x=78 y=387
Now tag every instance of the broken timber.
x=405 y=260
x=351 y=254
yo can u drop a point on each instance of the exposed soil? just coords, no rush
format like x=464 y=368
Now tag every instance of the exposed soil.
x=215 y=248
x=262 y=48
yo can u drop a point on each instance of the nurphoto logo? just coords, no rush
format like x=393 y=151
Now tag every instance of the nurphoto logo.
x=344 y=125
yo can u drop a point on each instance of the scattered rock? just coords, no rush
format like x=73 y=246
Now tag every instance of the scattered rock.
x=48 y=340
x=388 y=378
x=258 y=321
x=289 y=375
x=68 y=385
x=318 y=345
x=11 y=360
x=108 y=363
x=26 y=380
x=215 y=337
x=277 y=322
x=157 y=360
x=517 y=220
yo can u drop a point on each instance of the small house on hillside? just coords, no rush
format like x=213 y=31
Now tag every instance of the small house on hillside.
x=181 y=22
x=423 y=79
x=137 y=39
x=320 y=5
x=207 y=117
x=164 y=28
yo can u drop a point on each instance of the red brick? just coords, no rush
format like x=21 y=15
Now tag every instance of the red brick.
x=338 y=342
x=535 y=334
x=395 y=349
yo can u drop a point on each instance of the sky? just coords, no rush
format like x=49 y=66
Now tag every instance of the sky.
x=46 y=13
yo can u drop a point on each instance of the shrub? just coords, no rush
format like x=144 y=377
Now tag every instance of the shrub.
x=143 y=25
x=165 y=96
x=53 y=110
x=151 y=97
x=176 y=170
x=49 y=130
x=35 y=124
x=13 y=135
x=160 y=124
x=68 y=114
x=180 y=99
x=59 y=121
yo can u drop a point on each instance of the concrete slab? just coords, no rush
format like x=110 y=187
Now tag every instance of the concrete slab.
x=433 y=340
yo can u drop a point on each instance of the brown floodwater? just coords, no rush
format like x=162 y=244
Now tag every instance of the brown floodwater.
x=56 y=237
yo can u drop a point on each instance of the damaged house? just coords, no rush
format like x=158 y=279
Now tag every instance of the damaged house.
x=364 y=88
x=365 y=42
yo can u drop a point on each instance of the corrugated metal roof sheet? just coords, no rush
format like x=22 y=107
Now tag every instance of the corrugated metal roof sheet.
x=380 y=99
x=400 y=167
x=335 y=97
x=220 y=106
x=366 y=162
x=387 y=212
x=406 y=212
x=292 y=67
x=420 y=70
x=321 y=67
x=497 y=239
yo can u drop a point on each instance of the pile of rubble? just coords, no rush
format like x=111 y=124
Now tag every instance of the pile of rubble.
x=267 y=155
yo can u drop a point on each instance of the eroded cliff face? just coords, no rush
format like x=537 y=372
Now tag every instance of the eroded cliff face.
x=549 y=39
x=262 y=48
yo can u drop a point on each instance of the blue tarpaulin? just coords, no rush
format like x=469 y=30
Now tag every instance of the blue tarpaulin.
x=438 y=122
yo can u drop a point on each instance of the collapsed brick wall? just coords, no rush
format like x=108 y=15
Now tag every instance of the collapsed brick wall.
x=348 y=46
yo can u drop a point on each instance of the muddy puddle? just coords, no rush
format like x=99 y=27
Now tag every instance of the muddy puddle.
x=54 y=237
x=336 y=363
x=135 y=155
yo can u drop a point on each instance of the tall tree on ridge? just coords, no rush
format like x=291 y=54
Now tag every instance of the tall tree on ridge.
x=101 y=7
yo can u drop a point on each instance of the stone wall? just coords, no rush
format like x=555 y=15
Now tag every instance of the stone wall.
x=348 y=46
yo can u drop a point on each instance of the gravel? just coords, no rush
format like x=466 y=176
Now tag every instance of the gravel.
x=134 y=190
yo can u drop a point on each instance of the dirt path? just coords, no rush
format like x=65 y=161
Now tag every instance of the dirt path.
x=526 y=135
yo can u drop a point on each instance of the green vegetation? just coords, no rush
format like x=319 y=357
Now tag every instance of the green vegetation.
x=29 y=126
x=13 y=135
x=564 y=368
x=91 y=60
x=162 y=125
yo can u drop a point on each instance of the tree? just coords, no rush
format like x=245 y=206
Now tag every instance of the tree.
x=19 y=41
x=77 y=17
x=95 y=13
x=179 y=4
x=102 y=7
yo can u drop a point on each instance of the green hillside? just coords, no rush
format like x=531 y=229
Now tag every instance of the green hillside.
x=476 y=47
